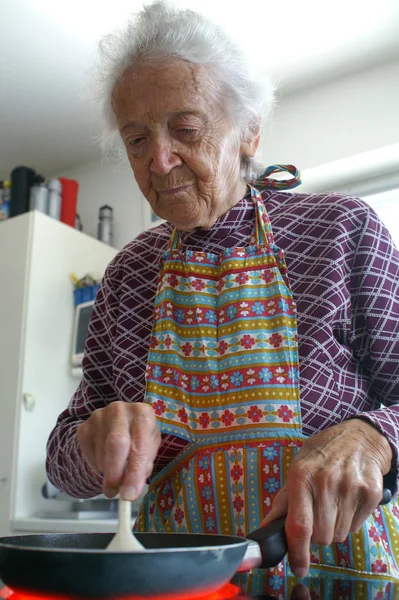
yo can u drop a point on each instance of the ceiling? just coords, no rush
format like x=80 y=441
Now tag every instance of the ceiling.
x=47 y=48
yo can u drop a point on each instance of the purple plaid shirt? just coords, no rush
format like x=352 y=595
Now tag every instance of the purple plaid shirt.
x=344 y=272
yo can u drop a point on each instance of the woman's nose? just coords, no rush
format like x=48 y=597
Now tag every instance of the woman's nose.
x=164 y=158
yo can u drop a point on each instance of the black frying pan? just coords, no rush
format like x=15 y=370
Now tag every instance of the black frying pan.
x=174 y=563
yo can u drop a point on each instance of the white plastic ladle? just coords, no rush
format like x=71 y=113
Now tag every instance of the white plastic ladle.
x=124 y=539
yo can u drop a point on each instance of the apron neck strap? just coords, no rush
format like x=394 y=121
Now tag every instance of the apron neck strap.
x=262 y=232
x=175 y=241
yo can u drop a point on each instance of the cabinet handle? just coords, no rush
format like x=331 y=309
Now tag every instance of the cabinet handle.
x=29 y=402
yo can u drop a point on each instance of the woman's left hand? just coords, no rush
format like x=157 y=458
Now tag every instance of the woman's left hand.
x=333 y=484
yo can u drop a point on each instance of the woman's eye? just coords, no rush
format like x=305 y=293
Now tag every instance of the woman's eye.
x=135 y=141
x=187 y=131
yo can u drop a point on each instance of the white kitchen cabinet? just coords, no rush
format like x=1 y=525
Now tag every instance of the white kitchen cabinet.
x=37 y=254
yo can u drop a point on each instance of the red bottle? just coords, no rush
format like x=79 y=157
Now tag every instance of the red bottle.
x=69 y=201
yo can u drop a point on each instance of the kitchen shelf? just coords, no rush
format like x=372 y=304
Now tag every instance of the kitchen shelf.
x=37 y=525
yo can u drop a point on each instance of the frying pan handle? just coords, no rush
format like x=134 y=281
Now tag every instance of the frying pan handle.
x=272 y=541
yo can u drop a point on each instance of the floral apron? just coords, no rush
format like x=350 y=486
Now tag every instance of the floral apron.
x=223 y=374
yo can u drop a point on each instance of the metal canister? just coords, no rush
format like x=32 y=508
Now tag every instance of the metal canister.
x=54 y=200
x=105 y=225
x=39 y=198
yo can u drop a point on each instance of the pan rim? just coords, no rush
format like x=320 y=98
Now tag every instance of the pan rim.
x=231 y=544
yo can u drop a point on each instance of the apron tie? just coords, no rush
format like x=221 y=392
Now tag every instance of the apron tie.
x=265 y=182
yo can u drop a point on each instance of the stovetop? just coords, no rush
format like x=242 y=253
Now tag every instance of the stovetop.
x=330 y=586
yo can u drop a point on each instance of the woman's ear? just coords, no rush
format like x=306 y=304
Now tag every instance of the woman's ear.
x=249 y=146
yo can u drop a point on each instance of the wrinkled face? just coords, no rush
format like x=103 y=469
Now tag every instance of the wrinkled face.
x=181 y=146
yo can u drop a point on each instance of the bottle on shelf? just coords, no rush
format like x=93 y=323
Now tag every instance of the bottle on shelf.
x=39 y=195
x=22 y=179
x=69 y=196
x=54 y=198
x=105 y=225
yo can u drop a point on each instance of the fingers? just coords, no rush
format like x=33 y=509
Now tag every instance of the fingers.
x=343 y=522
x=333 y=484
x=325 y=509
x=348 y=502
x=300 y=592
x=115 y=450
x=343 y=507
x=121 y=442
x=370 y=499
x=299 y=529
x=145 y=439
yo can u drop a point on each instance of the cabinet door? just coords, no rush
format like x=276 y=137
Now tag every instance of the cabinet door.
x=47 y=384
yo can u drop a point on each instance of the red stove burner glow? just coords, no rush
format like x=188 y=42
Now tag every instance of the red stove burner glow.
x=225 y=593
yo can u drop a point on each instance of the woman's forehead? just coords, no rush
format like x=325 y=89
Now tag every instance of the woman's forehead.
x=165 y=88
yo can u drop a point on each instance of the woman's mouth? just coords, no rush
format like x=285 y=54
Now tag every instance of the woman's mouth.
x=175 y=190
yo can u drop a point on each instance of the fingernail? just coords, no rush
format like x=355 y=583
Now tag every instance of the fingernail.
x=110 y=492
x=129 y=492
x=300 y=573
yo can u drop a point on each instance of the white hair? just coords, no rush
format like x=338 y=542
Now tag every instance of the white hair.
x=161 y=30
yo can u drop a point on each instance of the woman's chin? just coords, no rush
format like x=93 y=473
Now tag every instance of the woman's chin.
x=183 y=222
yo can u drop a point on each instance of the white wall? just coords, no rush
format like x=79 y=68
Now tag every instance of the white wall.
x=338 y=119
x=335 y=120
x=103 y=183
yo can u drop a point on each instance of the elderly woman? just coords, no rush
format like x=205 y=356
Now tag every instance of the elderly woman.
x=191 y=369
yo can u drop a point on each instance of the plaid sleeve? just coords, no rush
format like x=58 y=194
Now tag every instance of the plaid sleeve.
x=110 y=370
x=375 y=325
x=66 y=467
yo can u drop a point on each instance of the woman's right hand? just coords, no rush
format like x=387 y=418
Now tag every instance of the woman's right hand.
x=121 y=441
